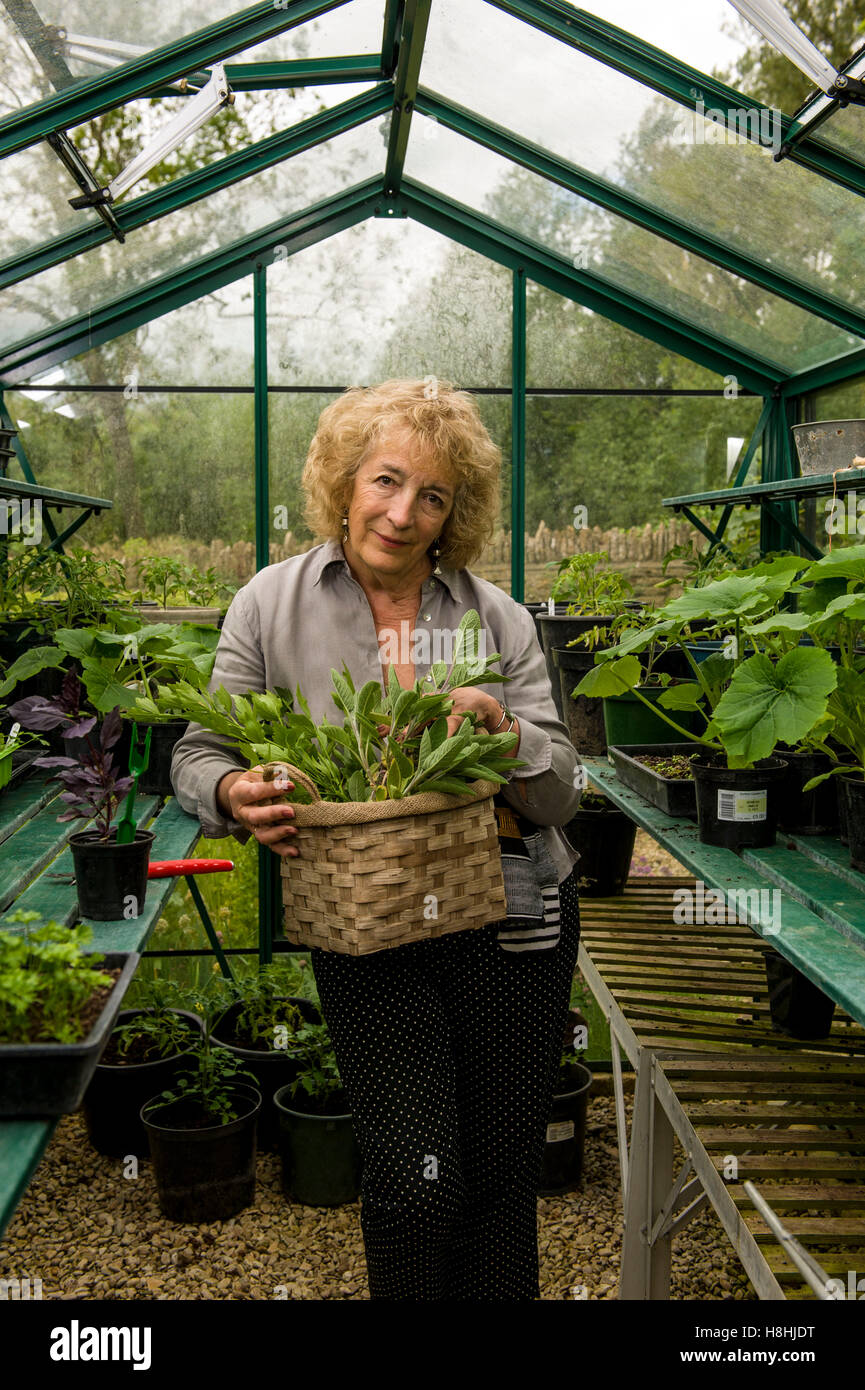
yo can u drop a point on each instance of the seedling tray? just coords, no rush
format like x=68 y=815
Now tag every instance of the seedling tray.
x=669 y=794
x=47 y=1079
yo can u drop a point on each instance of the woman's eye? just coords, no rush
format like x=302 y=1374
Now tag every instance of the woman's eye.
x=437 y=501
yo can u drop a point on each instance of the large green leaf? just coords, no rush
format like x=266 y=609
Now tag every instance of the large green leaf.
x=725 y=599
x=30 y=663
x=611 y=678
x=768 y=704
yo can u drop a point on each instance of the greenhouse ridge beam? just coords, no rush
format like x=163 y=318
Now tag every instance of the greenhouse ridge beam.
x=671 y=78
x=220 y=174
x=497 y=243
x=138 y=77
x=837 y=369
x=617 y=200
x=77 y=335
x=415 y=19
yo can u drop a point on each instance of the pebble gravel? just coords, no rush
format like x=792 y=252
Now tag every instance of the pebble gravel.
x=89 y=1228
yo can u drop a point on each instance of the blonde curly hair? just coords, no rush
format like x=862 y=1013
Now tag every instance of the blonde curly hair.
x=442 y=420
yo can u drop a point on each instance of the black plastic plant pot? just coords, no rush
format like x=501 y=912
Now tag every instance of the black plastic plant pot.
x=797 y=1007
x=582 y=714
x=204 y=1171
x=156 y=779
x=673 y=795
x=112 y=1105
x=566 y=1131
x=856 y=821
x=321 y=1160
x=45 y=1079
x=111 y=878
x=558 y=630
x=604 y=839
x=738 y=807
x=807 y=813
x=273 y=1069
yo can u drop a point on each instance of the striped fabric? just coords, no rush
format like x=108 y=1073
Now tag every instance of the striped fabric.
x=531 y=884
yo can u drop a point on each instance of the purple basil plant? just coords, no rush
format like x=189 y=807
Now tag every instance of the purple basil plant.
x=92 y=787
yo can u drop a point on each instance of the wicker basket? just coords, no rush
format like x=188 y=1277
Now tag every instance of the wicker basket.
x=366 y=869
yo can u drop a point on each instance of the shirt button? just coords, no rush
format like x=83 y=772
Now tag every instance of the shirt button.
x=428 y=677
x=427 y=617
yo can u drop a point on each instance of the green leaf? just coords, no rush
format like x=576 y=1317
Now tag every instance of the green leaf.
x=611 y=678
x=766 y=705
x=30 y=663
x=686 y=696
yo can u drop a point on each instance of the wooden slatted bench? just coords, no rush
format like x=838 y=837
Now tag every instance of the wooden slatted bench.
x=689 y=1005
x=36 y=874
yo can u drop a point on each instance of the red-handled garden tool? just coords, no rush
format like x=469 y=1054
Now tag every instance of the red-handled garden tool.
x=188 y=868
x=173 y=868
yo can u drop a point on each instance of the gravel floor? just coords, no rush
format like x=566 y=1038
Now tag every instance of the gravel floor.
x=87 y=1231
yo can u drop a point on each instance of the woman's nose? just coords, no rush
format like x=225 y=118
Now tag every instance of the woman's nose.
x=401 y=509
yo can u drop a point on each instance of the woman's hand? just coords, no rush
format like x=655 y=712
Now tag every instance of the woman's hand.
x=246 y=798
x=466 y=699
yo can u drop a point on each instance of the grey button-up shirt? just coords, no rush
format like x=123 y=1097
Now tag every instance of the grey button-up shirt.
x=296 y=621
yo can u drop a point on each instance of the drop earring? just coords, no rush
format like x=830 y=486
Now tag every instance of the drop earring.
x=344 y=527
x=435 y=555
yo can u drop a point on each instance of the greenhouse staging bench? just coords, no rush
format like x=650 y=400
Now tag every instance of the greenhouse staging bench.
x=687 y=1000
x=36 y=874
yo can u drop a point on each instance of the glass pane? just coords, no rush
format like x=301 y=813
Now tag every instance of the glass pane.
x=35 y=182
x=652 y=269
x=845 y=129
x=388 y=299
x=191 y=233
x=690 y=167
x=179 y=467
x=568 y=345
x=352 y=28
x=151 y=24
x=695 y=34
x=146 y=25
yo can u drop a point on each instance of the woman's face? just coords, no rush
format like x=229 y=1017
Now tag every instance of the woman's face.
x=400 y=496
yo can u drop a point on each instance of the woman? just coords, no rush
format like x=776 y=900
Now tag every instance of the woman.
x=448 y=1049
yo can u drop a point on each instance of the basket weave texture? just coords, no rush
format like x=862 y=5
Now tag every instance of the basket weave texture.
x=366 y=869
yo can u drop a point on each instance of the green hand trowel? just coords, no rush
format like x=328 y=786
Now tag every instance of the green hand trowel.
x=138 y=762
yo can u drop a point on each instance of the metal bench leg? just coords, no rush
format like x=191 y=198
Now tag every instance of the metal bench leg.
x=208 y=926
x=646 y=1262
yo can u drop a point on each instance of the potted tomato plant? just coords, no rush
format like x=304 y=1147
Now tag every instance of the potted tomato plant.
x=321 y=1162
x=201 y=1132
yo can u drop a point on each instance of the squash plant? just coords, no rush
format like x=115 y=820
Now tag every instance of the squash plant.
x=391 y=744
x=750 y=703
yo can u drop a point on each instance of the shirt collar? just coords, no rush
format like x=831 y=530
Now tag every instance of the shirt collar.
x=331 y=553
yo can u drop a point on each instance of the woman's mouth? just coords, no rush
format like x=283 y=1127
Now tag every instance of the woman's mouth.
x=393 y=545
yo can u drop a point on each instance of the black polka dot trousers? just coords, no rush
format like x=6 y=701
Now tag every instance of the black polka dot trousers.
x=449 y=1052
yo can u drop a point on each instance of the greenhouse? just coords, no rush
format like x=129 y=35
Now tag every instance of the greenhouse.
x=534 y=334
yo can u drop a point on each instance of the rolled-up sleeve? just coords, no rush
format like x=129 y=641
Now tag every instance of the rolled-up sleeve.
x=547 y=790
x=201 y=758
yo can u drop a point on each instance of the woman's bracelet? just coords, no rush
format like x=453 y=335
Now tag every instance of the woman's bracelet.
x=506 y=714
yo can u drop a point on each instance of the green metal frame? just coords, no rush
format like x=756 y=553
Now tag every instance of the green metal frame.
x=393 y=11
x=287 y=72
x=415 y=19
x=137 y=78
x=671 y=78
x=653 y=219
x=518 y=436
x=325 y=125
